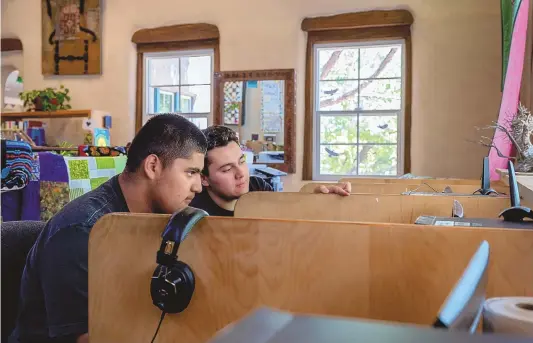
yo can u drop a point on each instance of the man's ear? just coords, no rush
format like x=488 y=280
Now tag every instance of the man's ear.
x=205 y=180
x=152 y=166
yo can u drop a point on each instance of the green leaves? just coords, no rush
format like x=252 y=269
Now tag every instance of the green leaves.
x=48 y=99
x=509 y=11
x=377 y=155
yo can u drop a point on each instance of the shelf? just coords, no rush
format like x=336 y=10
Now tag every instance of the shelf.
x=45 y=115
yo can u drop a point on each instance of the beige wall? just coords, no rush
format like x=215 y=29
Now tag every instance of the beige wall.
x=456 y=62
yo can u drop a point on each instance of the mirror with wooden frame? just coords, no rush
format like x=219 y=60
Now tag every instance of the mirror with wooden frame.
x=260 y=106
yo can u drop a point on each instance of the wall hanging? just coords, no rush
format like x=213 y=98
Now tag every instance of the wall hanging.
x=71 y=37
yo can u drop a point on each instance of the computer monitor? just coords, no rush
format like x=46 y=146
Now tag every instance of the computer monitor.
x=515 y=213
x=513 y=185
x=462 y=309
x=485 y=179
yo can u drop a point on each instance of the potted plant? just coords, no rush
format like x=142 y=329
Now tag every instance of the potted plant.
x=48 y=99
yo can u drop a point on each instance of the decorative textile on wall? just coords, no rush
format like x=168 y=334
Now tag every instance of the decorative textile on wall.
x=511 y=90
x=71 y=37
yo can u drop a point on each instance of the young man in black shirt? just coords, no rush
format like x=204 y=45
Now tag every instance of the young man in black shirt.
x=225 y=177
x=162 y=175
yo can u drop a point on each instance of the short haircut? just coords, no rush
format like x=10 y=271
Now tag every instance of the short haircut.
x=218 y=136
x=169 y=137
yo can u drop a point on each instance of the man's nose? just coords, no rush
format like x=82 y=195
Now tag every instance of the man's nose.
x=197 y=185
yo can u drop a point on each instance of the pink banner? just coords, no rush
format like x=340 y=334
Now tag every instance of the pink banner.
x=511 y=91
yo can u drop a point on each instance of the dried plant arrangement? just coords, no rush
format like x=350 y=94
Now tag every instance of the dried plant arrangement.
x=520 y=134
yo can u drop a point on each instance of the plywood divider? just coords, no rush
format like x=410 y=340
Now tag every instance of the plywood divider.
x=450 y=182
x=381 y=208
x=398 y=188
x=379 y=271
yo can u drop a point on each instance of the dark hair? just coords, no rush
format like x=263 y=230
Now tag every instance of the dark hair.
x=169 y=137
x=218 y=136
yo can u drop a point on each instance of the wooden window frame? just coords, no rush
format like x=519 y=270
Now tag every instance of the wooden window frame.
x=172 y=38
x=356 y=27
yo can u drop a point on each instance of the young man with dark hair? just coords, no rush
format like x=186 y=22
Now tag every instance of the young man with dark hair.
x=226 y=177
x=162 y=175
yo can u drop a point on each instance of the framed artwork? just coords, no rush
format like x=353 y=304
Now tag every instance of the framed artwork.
x=71 y=37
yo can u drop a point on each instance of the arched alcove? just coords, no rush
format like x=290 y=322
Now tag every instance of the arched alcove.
x=12 y=85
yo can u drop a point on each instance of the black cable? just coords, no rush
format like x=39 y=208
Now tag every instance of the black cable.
x=421 y=185
x=159 y=325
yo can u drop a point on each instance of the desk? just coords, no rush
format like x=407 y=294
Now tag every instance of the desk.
x=267 y=326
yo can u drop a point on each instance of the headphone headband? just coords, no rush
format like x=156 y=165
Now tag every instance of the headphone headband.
x=178 y=227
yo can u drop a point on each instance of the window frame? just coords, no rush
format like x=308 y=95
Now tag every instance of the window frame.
x=317 y=114
x=343 y=29
x=177 y=54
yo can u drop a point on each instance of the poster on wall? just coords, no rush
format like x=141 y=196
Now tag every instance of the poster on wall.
x=71 y=37
x=272 y=106
x=512 y=80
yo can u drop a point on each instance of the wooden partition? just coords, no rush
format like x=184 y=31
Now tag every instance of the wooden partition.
x=382 y=208
x=378 y=271
x=398 y=188
x=476 y=182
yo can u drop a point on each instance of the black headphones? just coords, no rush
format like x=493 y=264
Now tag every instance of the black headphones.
x=172 y=283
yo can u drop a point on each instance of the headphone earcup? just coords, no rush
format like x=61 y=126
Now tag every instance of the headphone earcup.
x=172 y=288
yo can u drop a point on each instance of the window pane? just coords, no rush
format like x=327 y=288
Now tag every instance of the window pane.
x=195 y=99
x=338 y=63
x=378 y=160
x=337 y=95
x=338 y=129
x=338 y=159
x=381 y=94
x=163 y=71
x=381 y=62
x=196 y=70
x=162 y=99
x=378 y=129
x=166 y=103
x=200 y=122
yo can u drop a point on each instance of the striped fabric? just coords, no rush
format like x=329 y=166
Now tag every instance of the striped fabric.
x=17 y=165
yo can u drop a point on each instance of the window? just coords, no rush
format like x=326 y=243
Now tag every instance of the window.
x=357 y=95
x=175 y=69
x=358 y=109
x=179 y=82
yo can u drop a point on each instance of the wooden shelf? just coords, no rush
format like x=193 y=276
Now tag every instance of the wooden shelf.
x=45 y=115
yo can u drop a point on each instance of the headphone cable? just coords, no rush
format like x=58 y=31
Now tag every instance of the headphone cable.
x=163 y=313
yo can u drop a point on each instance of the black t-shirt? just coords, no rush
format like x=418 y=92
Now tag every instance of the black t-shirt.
x=203 y=200
x=53 y=304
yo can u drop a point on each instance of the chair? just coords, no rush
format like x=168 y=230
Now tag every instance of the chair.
x=17 y=239
x=462 y=309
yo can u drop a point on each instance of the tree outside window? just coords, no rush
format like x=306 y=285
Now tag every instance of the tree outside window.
x=358 y=109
